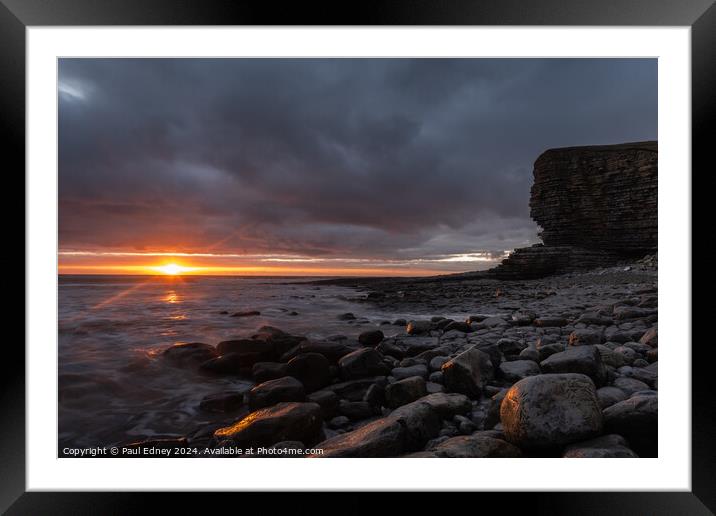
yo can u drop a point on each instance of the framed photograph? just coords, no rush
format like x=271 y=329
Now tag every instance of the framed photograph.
x=421 y=249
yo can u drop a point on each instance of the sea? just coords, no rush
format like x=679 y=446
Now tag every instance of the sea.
x=114 y=387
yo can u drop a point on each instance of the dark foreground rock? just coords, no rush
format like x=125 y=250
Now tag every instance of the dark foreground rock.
x=477 y=445
x=637 y=420
x=606 y=446
x=190 y=354
x=551 y=410
x=282 y=422
x=275 y=391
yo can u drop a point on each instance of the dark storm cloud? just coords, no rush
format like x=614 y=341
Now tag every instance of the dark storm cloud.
x=385 y=158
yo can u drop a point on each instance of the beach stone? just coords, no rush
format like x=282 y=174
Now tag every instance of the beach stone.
x=594 y=319
x=492 y=417
x=585 y=337
x=457 y=326
x=530 y=353
x=371 y=338
x=421 y=420
x=399 y=373
x=381 y=438
x=547 y=350
x=551 y=410
x=630 y=385
x=605 y=446
x=650 y=337
x=581 y=359
x=610 y=395
x=189 y=354
x=282 y=422
x=375 y=395
x=355 y=390
x=264 y=349
x=437 y=363
x=550 y=322
x=348 y=316
x=523 y=318
x=518 y=369
x=432 y=387
x=436 y=377
x=222 y=402
x=362 y=363
x=510 y=346
x=333 y=350
x=637 y=420
x=231 y=363
x=491 y=322
x=327 y=400
x=338 y=422
x=405 y=391
x=468 y=372
x=311 y=369
x=609 y=358
x=475 y=446
x=275 y=391
x=418 y=327
x=356 y=410
x=265 y=371
x=628 y=354
x=652 y=355
x=246 y=313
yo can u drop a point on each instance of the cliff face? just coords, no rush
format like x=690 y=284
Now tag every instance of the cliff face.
x=596 y=205
x=602 y=198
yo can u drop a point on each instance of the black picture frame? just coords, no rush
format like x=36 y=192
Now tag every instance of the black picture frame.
x=700 y=15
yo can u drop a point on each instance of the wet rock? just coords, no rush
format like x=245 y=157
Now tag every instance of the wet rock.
x=222 y=402
x=275 y=391
x=371 y=338
x=551 y=410
x=281 y=422
x=189 y=354
x=491 y=322
x=399 y=373
x=265 y=371
x=437 y=363
x=380 y=438
x=609 y=357
x=547 y=350
x=628 y=355
x=432 y=387
x=510 y=346
x=263 y=349
x=637 y=420
x=354 y=390
x=327 y=400
x=338 y=422
x=622 y=313
x=356 y=410
x=606 y=446
x=362 y=363
x=630 y=385
x=594 y=319
x=347 y=317
x=609 y=396
x=231 y=363
x=421 y=420
x=458 y=326
x=652 y=356
x=468 y=372
x=523 y=318
x=311 y=369
x=418 y=327
x=332 y=350
x=581 y=359
x=246 y=313
x=407 y=346
x=585 y=337
x=475 y=446
x=550 y=322
x=375 y=395
x=405 y=391
x=518 y=369
x=493 y=409
x=436 y=377
x=530 y=353
x=650 y=338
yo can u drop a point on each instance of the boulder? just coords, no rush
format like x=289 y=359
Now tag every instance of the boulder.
x=607 y=446
x=380 y=438
x=282 y=422
x=421 y=420
x=311 y=369
x=516 y=370
x=362 y=363
x=222 y=402
x=418 y=327
x=275 y=391
x=468 y=372
x=650 y=337
x=637 y=420
x=400 y=373
x=333 y=350
x=354 y=390
x=265 y=371
x=581 y=359
x=231 y=363
x=189 y=354
x=264 y=349
x=585 y=337
x=630 y=385
x=476 y=445
x=608 y=396
x=407 y=345
x=550 y=322
x=356 y=410
x=551 y=410
x=405 y=391
x=371 y=338
x=327 y=400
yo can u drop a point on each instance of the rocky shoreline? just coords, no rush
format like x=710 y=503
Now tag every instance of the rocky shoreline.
x=565 y=366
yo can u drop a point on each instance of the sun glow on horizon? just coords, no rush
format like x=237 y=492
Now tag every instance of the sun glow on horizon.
x=173 y=269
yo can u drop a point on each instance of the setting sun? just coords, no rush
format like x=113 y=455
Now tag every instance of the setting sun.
x=172 y=269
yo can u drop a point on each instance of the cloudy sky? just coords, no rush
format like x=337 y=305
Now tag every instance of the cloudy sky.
x=362 y=165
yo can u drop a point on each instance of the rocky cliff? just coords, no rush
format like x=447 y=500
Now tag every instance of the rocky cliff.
x=596 y=205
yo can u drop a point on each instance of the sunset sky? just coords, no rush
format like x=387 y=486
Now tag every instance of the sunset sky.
x=322 y=166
